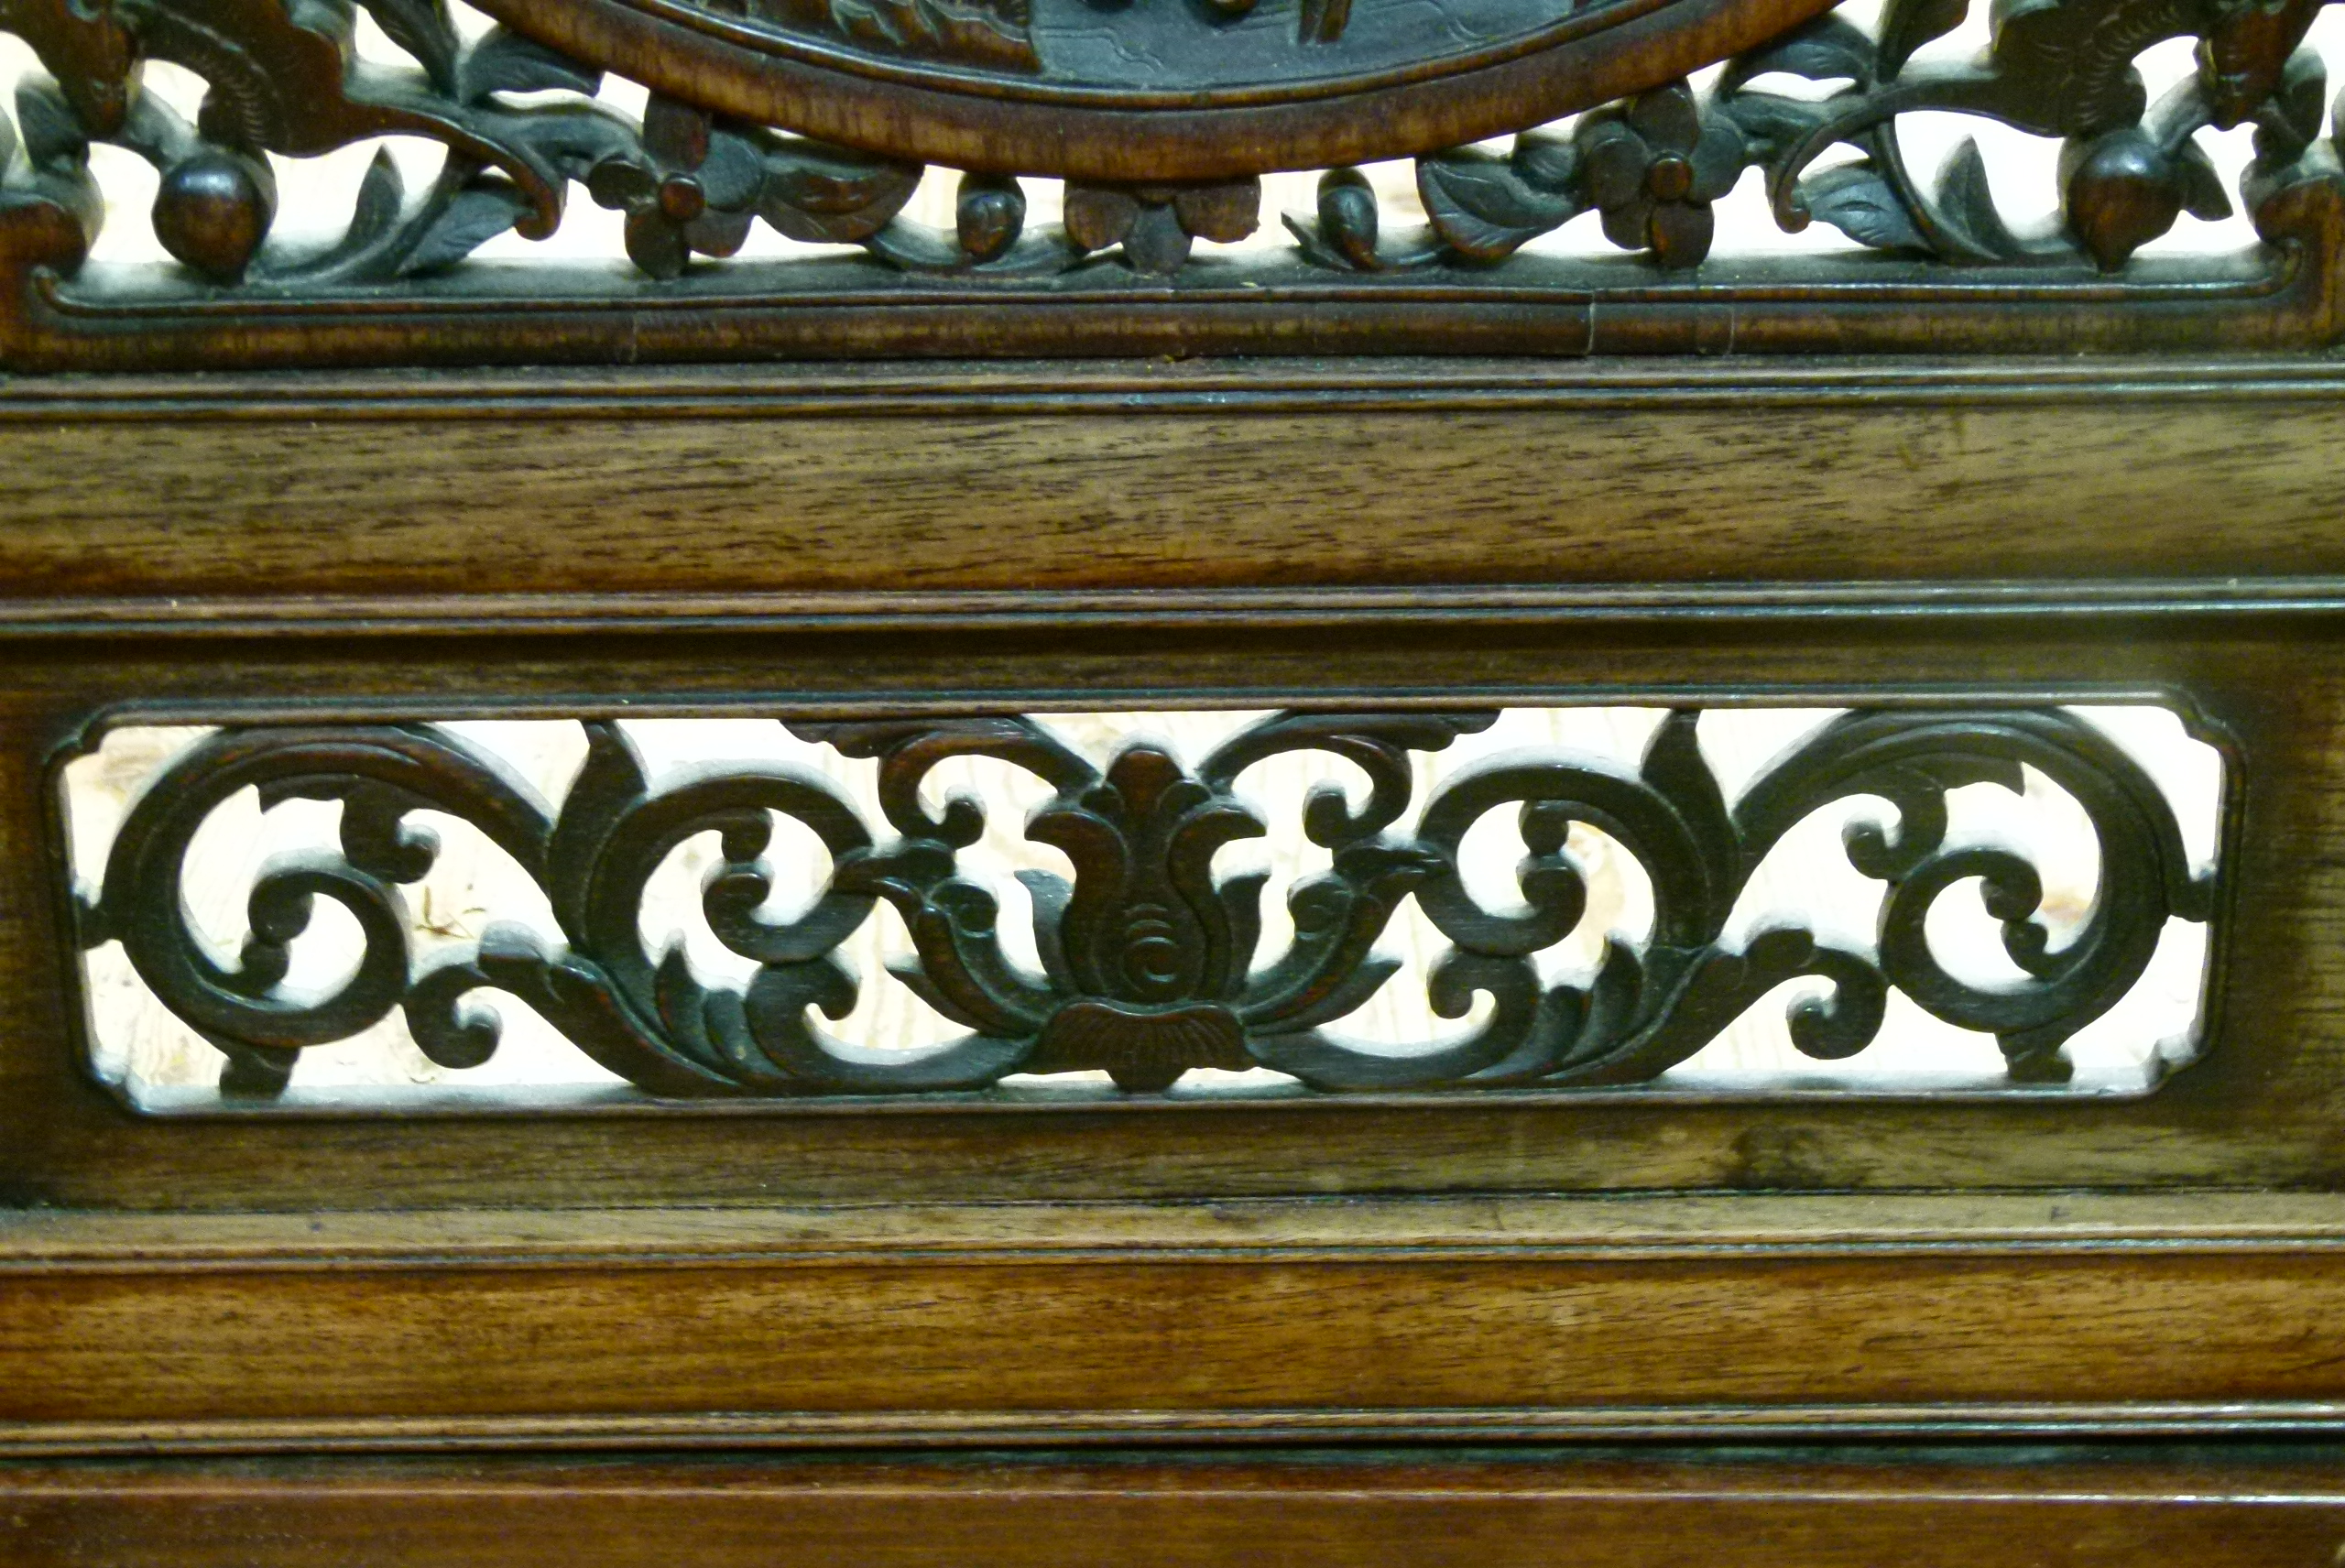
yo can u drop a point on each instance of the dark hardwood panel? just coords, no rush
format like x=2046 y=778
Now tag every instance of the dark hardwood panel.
x=710 y=500
x=2257 y=1111
x=1888 y=1326
x=1803 y=1511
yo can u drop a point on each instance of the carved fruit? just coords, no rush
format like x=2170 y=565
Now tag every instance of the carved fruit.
x=2119 y=193
x=214 y=209
x=988 y=215
x=1347 y=216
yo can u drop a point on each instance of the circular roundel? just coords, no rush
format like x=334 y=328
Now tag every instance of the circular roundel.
x=1150 y=90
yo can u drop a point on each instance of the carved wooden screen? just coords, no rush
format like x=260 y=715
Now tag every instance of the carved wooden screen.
x=626 y=869
x=1145 y=969
x=815 y=121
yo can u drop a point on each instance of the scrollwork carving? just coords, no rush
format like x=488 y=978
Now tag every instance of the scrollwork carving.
x=1159 y=160
x=1150 y=964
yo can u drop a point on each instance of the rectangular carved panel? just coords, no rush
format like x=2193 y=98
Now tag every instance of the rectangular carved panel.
x=810 y=180
x=1051 y=910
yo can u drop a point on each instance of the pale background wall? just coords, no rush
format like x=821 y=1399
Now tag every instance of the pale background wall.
x=1807 y=874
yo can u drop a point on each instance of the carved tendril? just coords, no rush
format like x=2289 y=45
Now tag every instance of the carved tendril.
x=1150 y=965
x=521 y=124
x=2057 y=68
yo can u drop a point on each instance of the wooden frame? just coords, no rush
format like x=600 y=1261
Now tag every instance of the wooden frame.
x=1926 y=1331
x=1650 y=1509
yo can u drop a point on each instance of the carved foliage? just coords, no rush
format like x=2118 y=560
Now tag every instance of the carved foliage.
x=2057 y=68
x=521 y=126
x=1148 y=963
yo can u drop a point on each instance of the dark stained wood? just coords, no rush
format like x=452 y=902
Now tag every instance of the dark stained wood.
x=817 y=119
x=1261 y=101
x=1264 y=1321
x=1149 y=959
x=1811 y=1511
x=2255 y=1113
x=218 y=1332
x=1195 y=484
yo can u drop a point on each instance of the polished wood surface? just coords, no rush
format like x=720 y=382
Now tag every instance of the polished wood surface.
x=1641 y=1510
x=706 y=493
x=335 y=1337
x=1272 y=1321
x=818 y=119
x=187 y=634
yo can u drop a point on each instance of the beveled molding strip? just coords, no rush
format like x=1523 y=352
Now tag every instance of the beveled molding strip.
x=1244 y=1230
x=77 y=1252
x=1127 y=385
x=1161 y=608
x=1052 y=1428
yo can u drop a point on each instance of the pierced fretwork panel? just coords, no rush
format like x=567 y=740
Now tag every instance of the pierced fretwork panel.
x=975 y=164
x=1066 y=907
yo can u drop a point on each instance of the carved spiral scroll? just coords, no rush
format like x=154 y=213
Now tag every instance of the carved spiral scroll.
x=1150 y=965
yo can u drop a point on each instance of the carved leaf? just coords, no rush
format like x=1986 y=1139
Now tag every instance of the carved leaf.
x=421 y=27
x=1156 y=245
x=2298 y=109
x=53 y=137
x=1856 y=200
x=1770 y=122
x=1223 y=213
x=1096 y=216
x=568 y=141
x=381 y=197
x=1484 y=207
x=508 y=62
x=386 y=239
x=469 y=219
x=826 y=195
x=1828 y=49
x=1908 y=24
x=2203 y=196
x=1978 y=232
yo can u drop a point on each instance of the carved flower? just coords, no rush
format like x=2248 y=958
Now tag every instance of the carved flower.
x=699 y=194
x=1653 y=167
x=1156 y=224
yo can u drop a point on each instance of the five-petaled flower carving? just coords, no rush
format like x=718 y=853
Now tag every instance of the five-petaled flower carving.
x=1653 y=166
x=699 y=193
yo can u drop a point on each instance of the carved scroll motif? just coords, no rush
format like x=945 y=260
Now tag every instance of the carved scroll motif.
x=1157 y=163
x=1150 y=964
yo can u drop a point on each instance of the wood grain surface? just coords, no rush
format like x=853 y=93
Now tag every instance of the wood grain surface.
x=1252 y=1322
x=659 y=485
x=1811 y=1511
x=274 y=1290
x=2256 y=1111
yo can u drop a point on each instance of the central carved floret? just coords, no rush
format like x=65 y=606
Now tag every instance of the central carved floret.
x=1144 y=924
x=1145 y=939
x=1148 y=960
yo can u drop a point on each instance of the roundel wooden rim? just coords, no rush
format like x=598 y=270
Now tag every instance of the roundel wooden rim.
x=994 y=123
